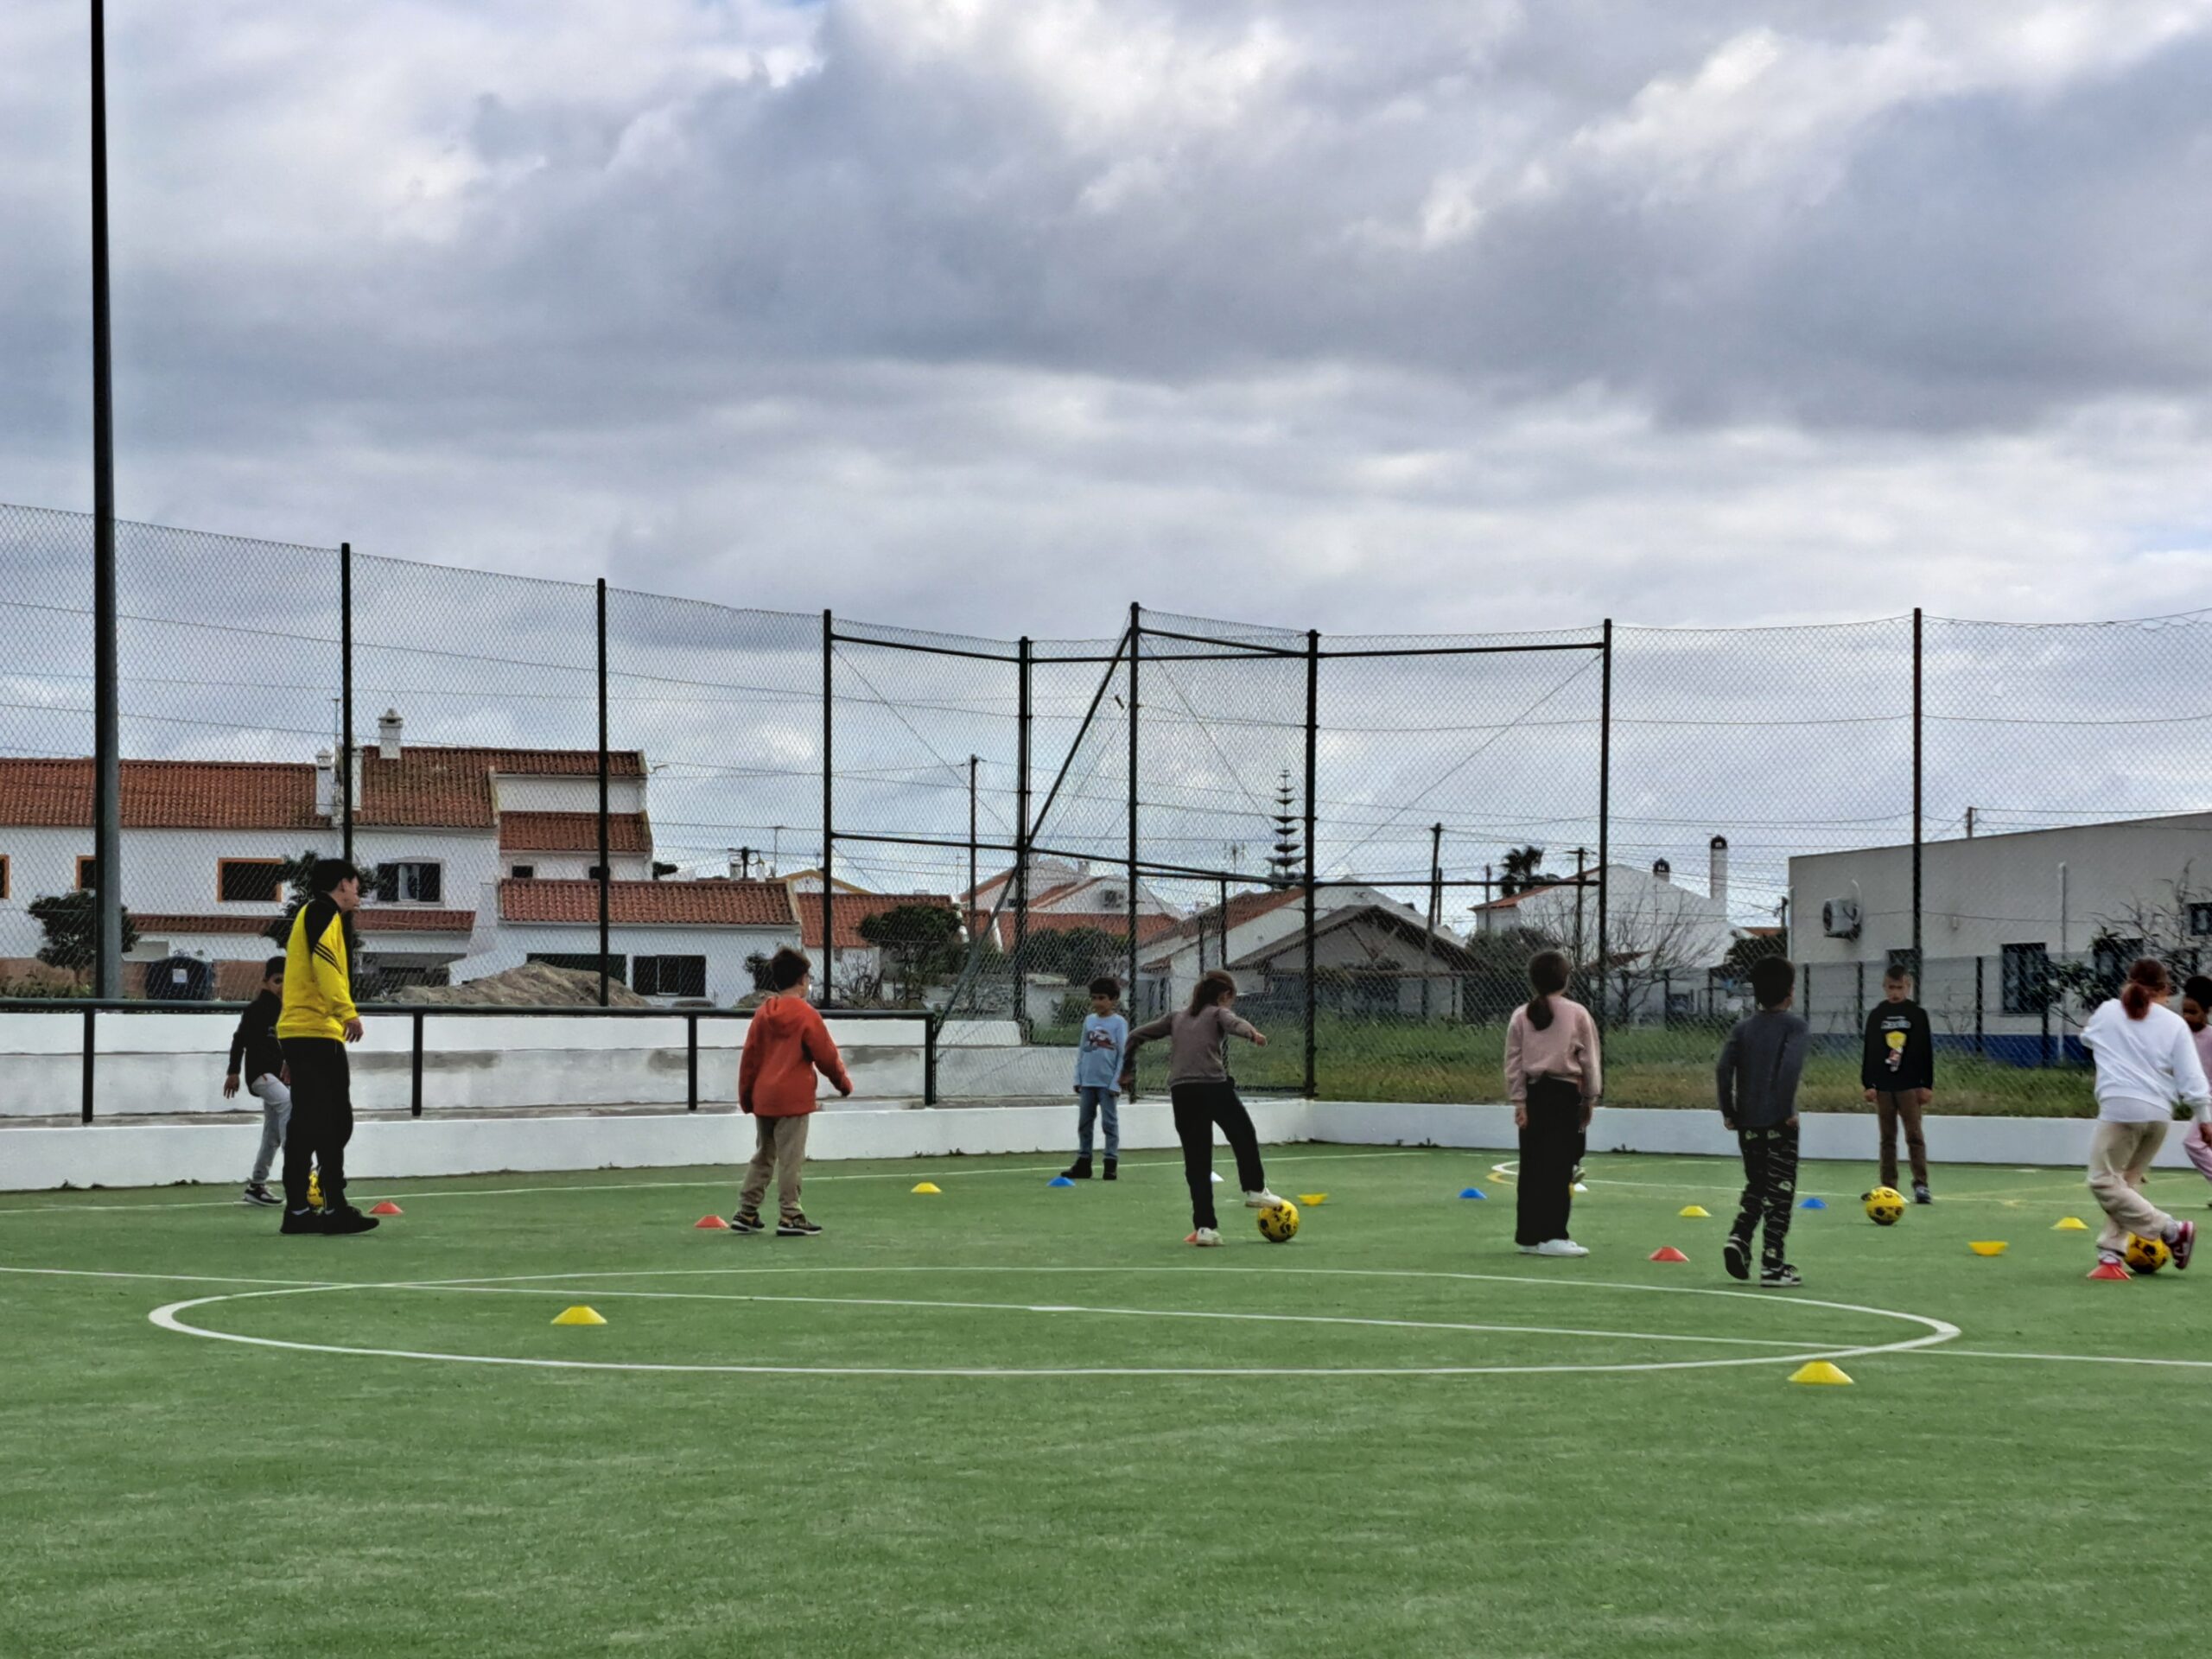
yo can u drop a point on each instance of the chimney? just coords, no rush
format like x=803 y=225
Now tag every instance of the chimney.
x=1718 y=882
x=1662 y=871
x=325 y=785
x=388 y=735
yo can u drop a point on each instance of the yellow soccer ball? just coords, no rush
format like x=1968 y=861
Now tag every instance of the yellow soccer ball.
x=314 y=1189
x=1885 y=1206
x=1278 y=1223
x=2146 y=1255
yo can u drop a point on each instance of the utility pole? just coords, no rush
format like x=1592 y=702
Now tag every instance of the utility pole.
x=107 y=739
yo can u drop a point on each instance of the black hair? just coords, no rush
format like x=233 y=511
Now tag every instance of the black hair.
x=275 y=965
x=1547 y=976
x=787 y=968
x=1106 y=985
x=2197 y=988
x=329 y=873
x=1210 y=990
x=1896 y=974
x=1772 y=979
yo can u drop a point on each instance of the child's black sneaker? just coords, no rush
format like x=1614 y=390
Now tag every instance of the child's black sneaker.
x=1112 y=1170
x=303 y=1221
x=258 y=1192
x=747 y=1221
x=347 y=1219
x=1780 y=1277
x=796 y=1227
x=1077 y=1171
x=1921 y=1194
x=1735 y=1256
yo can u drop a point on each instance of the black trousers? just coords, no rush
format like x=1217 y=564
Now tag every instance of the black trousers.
x=323 y=1120
x=1543 y=1195
x=1198 y=1108
x=1769 y=1188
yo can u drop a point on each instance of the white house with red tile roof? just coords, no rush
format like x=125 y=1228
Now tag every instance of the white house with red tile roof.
x=1064 y=897
x=436 y=827
x=682 y=940
x=1257 y=924
x=853 y=957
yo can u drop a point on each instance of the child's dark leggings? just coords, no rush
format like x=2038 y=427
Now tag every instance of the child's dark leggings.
x=1199 y=1106
x=1769 y=1187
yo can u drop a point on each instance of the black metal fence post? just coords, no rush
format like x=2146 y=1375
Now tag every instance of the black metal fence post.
x=107 y=742
x=88 y=1065
x=929 y=1059
x=606 y=865
x=828 y=806
x=1435 y=913
x=1021 y=827
x=690 y=1062
x=1605 y=817
x=1979 y=1043
x=345 y=771
x=415 y=1068
x=1136 y=651
x=1919 y=728
x=1313 y=908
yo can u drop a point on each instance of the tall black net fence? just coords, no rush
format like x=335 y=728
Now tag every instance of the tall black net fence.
x=1371 y=835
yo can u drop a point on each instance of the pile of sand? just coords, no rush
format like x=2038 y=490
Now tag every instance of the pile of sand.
x=533 y=985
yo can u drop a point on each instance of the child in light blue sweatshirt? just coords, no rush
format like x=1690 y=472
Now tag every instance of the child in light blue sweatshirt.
x=1098 y=1057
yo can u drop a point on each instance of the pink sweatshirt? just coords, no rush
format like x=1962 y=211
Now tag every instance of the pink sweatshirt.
x=1567 y=1048
x=2204 y=1041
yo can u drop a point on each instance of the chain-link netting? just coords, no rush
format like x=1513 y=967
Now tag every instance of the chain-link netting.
x=1372 y=834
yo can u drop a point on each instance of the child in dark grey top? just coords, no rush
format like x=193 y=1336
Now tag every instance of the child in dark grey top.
x=1757 y=1079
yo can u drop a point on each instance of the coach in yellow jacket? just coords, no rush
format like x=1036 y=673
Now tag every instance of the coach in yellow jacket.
x=317 y=1022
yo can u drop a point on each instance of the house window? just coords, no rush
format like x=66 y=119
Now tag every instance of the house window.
x=618 y=968
x=248 y=881
x=2110 y=958
x=86 y=865
x=524 y=872
x=412 y=883
x=2026 y=979
x=2200 y=920
x=670 y=976
x=1112 y=898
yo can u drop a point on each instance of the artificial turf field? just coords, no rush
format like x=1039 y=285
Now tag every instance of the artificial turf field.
x=1019 y=1420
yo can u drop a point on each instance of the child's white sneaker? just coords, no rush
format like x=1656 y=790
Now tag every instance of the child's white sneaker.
x=1262 y=1200
x=1560 y=1247
x=1206 y=1239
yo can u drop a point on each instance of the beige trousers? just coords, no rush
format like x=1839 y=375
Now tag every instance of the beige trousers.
x=780 y=1147
x=2120 y=1156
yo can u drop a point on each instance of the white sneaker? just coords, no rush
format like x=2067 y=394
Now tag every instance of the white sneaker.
x=1529 y=1249
x=1262 y=1200
x=1560 y=1247
x=1207 y=1238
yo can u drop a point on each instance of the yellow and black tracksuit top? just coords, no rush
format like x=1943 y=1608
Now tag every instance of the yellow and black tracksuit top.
x=318 y=987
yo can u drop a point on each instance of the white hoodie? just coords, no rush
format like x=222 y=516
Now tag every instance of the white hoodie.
x=2144 y=1065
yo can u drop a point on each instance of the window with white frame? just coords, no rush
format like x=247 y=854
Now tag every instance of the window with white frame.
x=669 y=975
x=411 y=881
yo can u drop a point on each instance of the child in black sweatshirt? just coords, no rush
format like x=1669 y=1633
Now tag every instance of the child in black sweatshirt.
x=1757 y=1077
x=1897 y=1071
x=256 y=1058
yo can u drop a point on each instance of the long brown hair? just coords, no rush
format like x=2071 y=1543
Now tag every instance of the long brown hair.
x=1547 y=976
x=2147 y=982
x=1210 y=990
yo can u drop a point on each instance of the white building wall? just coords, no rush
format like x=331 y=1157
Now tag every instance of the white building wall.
x=567 y=794
x=724 y=947
x=1642 y=913
x=576 y=866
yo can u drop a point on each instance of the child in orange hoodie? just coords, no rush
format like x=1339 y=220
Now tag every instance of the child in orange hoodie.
x=786 y=1043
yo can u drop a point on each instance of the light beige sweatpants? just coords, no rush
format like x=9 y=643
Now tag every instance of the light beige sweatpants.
x=780 y=1148
x=2120 y=1156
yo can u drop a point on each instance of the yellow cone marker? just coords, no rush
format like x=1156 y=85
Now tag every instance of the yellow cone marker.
x=1695 y=1212
x=2071 y=1224
x=1819 y=1371
x=1986 y=1246
x=1309 y=1200
x=928 y=1186
x=578 y=1315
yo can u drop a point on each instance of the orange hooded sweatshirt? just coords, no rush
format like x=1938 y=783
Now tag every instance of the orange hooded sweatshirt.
x=786 y=1043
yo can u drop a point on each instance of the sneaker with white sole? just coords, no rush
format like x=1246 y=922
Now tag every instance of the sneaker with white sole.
x=1262 y=1200
x=1780 y=1277
x=1529 y=1249
x=258 y=1192
x=1736 y=1257
x=1560 y=1247
x=1206 y=1239
x=2183 y=1243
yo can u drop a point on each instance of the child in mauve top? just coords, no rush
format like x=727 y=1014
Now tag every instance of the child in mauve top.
x=2196 y=1014
x=1198 y=1085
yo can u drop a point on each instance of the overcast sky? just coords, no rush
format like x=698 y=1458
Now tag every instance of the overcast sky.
x=999 y=314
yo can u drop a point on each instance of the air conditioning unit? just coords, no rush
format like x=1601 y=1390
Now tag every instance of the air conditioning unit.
x=1839 y=919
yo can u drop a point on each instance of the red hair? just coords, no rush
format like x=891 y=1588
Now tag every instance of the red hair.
x=2147 y=982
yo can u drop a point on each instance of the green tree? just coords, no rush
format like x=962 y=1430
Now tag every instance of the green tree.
x=1079 y=955
x=71 y=921
x=1520 y=870
x=918 y=942
x=295 y=873
x=1752 y=947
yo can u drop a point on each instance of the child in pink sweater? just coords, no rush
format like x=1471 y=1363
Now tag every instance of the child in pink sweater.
x=1553 y=1077
x=2196 y=1014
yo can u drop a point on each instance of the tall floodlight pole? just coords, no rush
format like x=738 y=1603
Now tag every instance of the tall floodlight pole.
x=107 y=754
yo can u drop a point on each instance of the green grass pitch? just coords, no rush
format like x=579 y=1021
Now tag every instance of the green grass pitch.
x=1012 y=1421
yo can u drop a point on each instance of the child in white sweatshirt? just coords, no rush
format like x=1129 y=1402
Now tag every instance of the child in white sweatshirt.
x=2146 y=1061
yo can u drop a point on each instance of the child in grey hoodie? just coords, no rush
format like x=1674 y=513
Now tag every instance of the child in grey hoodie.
x=1757 y=1077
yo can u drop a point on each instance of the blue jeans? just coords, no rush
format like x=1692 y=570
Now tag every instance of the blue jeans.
x=1096 y=1103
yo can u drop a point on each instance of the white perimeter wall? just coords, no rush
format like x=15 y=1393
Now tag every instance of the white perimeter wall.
x=127 y=1154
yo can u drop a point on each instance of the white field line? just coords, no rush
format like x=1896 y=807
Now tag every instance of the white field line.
x=2070 y=1359
x=170 y=1317
x=379 y=1197
x=182 y=1278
